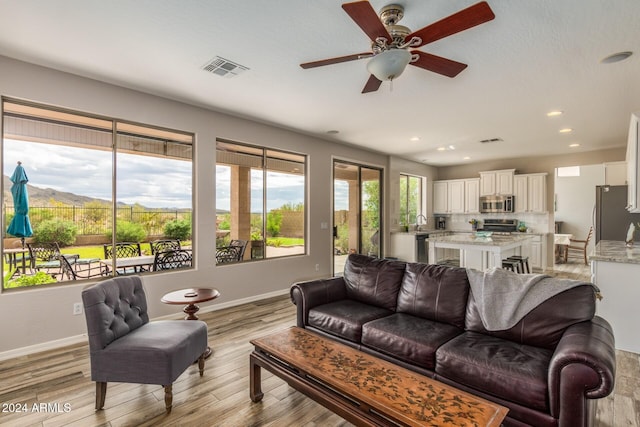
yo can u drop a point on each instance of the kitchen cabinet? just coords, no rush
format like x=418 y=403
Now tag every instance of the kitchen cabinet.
x=633 y=165
x=536 y=251
x=499 y=182
x=440 y=197
x=455 y=196
x=472 y=195
x=530 y=191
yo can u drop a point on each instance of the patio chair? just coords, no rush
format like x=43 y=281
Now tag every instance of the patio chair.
x=46 y=257
x=74 y=272
x=124 y=250
x=164 y=245
x=172 y=259
x=242 y=244
x=124 y=346
x=228 y=254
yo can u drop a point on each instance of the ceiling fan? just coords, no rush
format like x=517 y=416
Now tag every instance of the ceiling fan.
x=391 y=43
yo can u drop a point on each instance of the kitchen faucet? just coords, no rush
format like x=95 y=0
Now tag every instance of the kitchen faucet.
x=426 y=221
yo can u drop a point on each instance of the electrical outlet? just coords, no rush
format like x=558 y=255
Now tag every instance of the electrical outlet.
x=317 y=267
x=77 y=308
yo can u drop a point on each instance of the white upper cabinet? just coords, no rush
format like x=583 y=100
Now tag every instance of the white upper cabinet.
x=496 y=182
x=472 y=195
x=530 y=191
x=456 y=196
x=440 y=197
x=633 y=162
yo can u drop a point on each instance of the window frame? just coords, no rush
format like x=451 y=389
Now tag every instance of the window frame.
x=267 y=155
x=75 y=119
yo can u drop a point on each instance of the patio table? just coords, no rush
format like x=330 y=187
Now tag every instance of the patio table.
x=12 y=254
x=136 y=262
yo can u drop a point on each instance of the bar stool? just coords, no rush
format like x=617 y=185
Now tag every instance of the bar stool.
x=511 y=264
x=524 y=263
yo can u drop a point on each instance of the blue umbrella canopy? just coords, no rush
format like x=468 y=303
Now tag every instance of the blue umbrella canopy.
x=20 y=225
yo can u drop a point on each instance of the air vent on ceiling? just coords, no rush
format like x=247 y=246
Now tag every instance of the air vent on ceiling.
x=487 y=141
x=224 y=68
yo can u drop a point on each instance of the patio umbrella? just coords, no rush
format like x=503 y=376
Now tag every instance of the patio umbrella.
x=20 y=225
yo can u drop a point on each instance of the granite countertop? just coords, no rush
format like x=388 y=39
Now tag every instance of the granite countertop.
x=413 y=233
x=615 y=251
x=472 y=239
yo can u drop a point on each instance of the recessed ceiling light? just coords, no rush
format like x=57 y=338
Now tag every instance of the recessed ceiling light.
x=554 y=113
x=616 y=57
x=565 y=130
x=441 y=148
x=414 y=139
x=451 y=147
x=466 y=158
x=574 y=145
x=333 y=132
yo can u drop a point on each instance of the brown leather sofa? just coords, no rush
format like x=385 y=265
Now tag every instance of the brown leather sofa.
x=547 y=369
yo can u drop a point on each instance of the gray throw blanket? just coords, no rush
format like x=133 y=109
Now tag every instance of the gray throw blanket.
x=503 y=297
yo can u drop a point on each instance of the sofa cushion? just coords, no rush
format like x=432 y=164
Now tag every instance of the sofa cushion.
x=545 y=324
x=373 y=281
x=345 y=318
x=514 y=372
x=408 y=338
x=434 y=292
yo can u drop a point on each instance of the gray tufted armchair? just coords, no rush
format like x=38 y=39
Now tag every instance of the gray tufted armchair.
x=125 y=347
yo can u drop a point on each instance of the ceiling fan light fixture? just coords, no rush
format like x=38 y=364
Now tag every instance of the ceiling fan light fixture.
x=389 y=64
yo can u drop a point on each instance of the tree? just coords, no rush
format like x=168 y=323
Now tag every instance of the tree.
x=274 y=222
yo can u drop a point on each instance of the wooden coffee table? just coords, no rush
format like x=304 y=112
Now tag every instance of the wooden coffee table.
x=362 y=388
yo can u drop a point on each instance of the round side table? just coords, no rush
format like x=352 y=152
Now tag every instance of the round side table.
x=191 y=297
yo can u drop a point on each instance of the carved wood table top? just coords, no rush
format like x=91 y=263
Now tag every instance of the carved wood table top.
x=388 y=389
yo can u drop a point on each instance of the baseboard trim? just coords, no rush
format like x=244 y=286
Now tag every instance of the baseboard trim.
x=82 y=338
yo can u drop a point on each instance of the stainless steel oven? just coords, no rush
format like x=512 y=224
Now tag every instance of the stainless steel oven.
x=496 y=204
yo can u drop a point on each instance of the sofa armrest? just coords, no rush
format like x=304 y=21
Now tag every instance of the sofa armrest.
x=306 y=295
x=582 y=367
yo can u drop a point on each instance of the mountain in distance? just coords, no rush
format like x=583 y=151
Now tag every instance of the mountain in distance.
x=42 y=196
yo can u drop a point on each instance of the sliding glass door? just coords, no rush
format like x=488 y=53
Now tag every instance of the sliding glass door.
x=357 y=219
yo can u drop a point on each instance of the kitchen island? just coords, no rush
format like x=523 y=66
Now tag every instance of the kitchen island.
x=615 y=269
x=478 y=252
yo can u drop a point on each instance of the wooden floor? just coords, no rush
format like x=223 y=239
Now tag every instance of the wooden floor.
x=220 y=398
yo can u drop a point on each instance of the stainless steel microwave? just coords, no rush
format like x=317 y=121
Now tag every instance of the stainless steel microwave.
x=496 y=204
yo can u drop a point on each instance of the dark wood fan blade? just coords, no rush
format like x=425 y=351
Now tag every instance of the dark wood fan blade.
x=372 y=84
x=367 y=19
x=438 y=64
x=336 y=60
x=474 y=15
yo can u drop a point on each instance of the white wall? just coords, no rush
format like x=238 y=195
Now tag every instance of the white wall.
x=576 y=199
x=32 y=318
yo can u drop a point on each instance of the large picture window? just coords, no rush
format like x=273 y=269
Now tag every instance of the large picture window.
x=104 y=196
x=260 y=203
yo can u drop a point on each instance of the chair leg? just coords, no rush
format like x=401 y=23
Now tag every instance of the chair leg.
x=201 y=364
x=101 y=393
x=168 y=397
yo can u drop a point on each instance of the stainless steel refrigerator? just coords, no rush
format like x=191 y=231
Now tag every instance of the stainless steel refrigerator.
x=612 y=219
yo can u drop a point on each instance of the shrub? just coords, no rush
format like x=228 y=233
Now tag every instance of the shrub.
x=40 y=278
x=54 y=230
x=179 y=229
x=274 y=221
x=128 y=232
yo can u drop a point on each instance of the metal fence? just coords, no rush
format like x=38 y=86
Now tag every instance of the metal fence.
x=98 y=220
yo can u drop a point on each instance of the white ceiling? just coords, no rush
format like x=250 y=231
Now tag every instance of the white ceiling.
x=535 y=56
